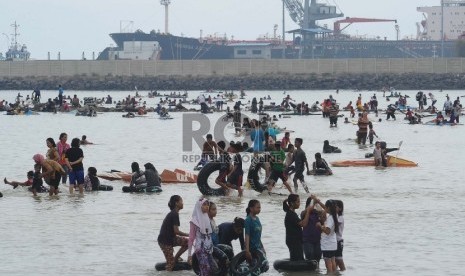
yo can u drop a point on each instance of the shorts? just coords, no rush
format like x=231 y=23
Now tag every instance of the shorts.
x=55 y=181
x=333 y=120
x=328 y=254
x=289 y=170
x=235 y=179
x=312 y=251
x=275 y=175
x=299 y=175
x=340 y=247
x=76 y=176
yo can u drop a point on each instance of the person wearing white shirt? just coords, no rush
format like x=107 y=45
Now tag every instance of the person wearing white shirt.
x=329 y=227
x=447 y=105
x=433 y=99
x=339 y=237
x=203 y=105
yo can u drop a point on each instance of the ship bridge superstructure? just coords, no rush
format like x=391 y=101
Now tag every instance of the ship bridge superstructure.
x=452 y=24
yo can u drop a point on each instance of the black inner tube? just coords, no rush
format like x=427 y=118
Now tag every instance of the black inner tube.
x=288 y=265
x=202 y=180
x=141 y=189
x=220 y=258
x=240 y=267
x=253 y=177
x=177 y=267
x=105 y=188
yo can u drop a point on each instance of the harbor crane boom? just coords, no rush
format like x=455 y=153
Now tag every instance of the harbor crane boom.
x=296 y=10
x=351 y=20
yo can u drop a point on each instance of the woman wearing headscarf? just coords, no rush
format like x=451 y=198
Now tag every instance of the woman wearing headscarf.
x=200 y=237
x=152 y=176
x=51 y=172
x=137 y=177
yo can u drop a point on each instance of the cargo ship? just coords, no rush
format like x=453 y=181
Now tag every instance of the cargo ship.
x=170 y=47
x=309 y=41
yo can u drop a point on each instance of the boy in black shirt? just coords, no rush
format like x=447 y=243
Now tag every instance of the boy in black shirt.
x=300 y=162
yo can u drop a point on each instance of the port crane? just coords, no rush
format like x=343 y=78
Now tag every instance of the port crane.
x=296 y=10
x=305 y=13
x=351 y=20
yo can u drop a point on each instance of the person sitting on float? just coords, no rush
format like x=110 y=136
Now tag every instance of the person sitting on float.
x=327 y=148
x=321 y=165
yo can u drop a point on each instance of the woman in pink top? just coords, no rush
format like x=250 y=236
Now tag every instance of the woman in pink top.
x=62 y=147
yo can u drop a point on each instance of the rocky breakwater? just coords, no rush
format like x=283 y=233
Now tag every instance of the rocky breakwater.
x=247 y=82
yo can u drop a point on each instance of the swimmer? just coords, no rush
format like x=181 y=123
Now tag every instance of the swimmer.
x=84 y=141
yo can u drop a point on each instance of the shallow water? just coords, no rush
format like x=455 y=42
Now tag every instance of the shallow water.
x=394 y=217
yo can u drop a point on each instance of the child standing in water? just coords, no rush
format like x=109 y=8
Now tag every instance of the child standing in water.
x=329 y=226
x=300 y=162
x=170 y=235
x=215 y=230
x=37 y=182
x=236 y=173
x=289 y=169
x=73 y=159
x=377 y=154
x=340 y=239
x=371 y=133
x=253 y=233
x=223 y=253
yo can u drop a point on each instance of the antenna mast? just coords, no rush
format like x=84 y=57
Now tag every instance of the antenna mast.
x=166 y=3
x=15 y=35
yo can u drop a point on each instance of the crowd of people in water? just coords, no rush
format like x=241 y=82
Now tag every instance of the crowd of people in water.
x=281 y=159
x=315 y=233
x=450 y=113
x=61 y=162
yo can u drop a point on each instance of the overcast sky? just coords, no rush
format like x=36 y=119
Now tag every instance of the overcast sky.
x=75 y=26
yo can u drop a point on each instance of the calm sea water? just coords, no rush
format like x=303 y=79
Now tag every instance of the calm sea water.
x=399 y=221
